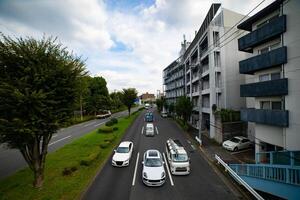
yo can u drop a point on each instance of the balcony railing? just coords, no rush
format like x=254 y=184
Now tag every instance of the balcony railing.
x=269 y=117
x=263 y=61
x=264 y=89
x=269 y=31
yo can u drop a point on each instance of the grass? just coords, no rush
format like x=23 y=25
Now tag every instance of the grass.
x=84 y=157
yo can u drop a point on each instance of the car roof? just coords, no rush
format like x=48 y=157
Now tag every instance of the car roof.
x=152 y=153
x=149 y=125
x=124 y=144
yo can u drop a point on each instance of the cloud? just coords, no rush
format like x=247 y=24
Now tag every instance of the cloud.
x=129 y=42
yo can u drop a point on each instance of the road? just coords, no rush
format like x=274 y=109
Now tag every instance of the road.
x=118 y=183
x=11 y=160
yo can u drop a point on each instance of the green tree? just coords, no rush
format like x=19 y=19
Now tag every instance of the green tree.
x=98 y=98
x=116 y=100
x=171 y=108
x=184 y=108
x=38 y=86
x=128 y=97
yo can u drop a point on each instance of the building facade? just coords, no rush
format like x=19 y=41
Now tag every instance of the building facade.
x=272 y=72
x=211 y=67
x=147 y=98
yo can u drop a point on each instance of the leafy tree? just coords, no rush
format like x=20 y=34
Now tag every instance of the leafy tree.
x=38 y=86
x=171 y=108
x=159 y=104
x=98 y=98
x=184 y=108
x=82 y=95
x=116 y=99
x=128 y=97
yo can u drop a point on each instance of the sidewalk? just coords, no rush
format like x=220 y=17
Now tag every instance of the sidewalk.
x=210 y=147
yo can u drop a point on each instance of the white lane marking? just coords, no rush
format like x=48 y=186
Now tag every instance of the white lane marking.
x=171 y=180
x=89 y=124
x=156 y=130
x=59 y=140
x=135 y=169
x=142 y=130
x=240 y=151
x=99 y=124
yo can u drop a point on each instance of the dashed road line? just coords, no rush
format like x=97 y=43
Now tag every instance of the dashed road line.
x=171 y=180
x=89 y=124
x=59 y=140
x=99 y=124
x=142 y=131
x=135 y=169
x=156 y=130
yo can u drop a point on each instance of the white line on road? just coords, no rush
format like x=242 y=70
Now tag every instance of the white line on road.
x=89 y=124
x=156 y=130
x=171 y=180
x=99 y=124
x=59 y=140
x=142 y=131
x=135 y=169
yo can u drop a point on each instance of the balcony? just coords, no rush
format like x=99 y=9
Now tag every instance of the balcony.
x=269 y=117
x=264 y=89
x=269 y=31
x=263 y=61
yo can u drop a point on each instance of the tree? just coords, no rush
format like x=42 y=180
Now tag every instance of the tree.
x=38 y=86
x=184 y=108
x=128 y=97
x=171 y=108
x=116 y=100
x=98 y=98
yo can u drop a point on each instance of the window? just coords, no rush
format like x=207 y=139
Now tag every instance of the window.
x=275 y=76
x=217 y=59
x=263 y=77
x=276 y=105
x=264 y=50
x=265 y=105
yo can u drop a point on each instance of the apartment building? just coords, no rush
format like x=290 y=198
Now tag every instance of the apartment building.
x=211 y=67
x=272 y=72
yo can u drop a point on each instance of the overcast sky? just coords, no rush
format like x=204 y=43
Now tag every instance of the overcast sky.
x=128 y=42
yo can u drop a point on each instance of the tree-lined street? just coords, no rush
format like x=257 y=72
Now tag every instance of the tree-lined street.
x=126 y=183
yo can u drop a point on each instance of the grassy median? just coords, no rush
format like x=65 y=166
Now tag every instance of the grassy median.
x=69 y=169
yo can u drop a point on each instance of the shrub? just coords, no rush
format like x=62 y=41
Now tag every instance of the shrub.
x=89 y=160
x=105 y=129
x=104 y=145
x=109 y=123
x=69 y=170
x=114 y=120
x=85 y=163
x=115 y=128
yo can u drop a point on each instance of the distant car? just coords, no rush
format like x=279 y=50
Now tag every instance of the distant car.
x=149 y=129
x=122 y=155
x=147 y=106
x=164 y=114
x=103 y=114
x=149 y=117
x=237 y=143
x=153 y=173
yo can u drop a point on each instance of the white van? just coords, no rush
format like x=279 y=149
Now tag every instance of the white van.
x=149 y=129
x=177 y=157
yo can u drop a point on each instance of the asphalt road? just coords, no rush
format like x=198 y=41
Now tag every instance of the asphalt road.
x=11 y=160
x=118 y=183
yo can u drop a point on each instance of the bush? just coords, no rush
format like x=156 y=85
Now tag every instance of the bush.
x=89 y=160
x=114 y=120
x=109 y=123
x=69 y=170
x=105 y=129
x=104 y=145
x=115 y=128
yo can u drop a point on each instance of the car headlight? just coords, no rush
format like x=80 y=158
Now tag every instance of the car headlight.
x=144 y=175
x=126 y=160
x=163 y=174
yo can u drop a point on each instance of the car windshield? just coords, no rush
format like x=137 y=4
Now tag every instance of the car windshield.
x=153 y=162
x=235 y=140
x=180 y=157
x=122 y=150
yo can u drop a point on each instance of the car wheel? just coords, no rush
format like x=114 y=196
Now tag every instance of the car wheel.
x=235 y=149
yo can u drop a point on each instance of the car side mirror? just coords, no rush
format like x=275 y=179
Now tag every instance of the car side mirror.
x=163 y=162
x=142 y=162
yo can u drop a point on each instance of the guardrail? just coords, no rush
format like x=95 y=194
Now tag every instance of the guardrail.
x=237 y=178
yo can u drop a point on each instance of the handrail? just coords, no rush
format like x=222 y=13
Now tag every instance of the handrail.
x=237 y=178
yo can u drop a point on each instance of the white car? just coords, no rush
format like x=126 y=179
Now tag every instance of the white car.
x=122 y=154
x=153 y=168
x=237 y=143
x=149 y=129
x=164 y=114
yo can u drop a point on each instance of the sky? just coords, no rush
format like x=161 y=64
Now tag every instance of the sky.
x=128 y=42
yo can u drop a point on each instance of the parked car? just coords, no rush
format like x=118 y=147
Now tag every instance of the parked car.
x=122 y=154
x=103 y=114
x=149 y=129
x=177 y=157
x=164 y=114
x=237 y=143
x=153 y=173
x=149 y=117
